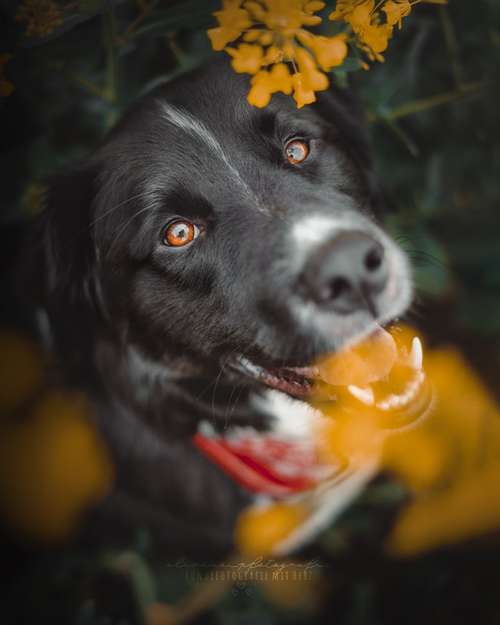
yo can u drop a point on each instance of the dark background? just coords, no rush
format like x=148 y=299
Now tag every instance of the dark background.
x=433 y=109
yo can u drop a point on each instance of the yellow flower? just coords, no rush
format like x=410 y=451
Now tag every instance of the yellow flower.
x=371 y=30
x=6 y=87
x=53 y=466
x=273 y=33
x=302 y=94
x=395 y=11
x=232 y=22
x=265 y=32
x=470 y=507
x=265 y=83
x=343 y=7
x=308 y=79
x=41 y=16
x=330 y=51
x=448 y=454
x=247 y=59
x=260 y=529
x=361 y=16
x=371 y=35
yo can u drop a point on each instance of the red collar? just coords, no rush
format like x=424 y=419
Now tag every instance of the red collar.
x=265 y=464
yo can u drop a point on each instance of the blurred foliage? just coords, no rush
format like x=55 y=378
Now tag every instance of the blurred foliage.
x=433 y=108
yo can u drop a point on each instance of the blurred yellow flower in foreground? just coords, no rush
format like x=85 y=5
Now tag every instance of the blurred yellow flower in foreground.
x=449 y=458
x=53 y=464
x=41 y=16
x=422 y=415
x=465 y=502
x=266 y=34
x=21 y=370
x=260 y=529
x=6 y=87
x=468 y=508
x=52 y=467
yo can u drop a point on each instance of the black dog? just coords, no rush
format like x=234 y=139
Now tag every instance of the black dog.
x=207 y=251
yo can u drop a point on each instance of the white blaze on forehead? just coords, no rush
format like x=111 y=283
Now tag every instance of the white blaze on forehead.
x=185 y=121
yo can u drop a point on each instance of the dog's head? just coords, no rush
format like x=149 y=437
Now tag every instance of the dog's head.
x=209 y=228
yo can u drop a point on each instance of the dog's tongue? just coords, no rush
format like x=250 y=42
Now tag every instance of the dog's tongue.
x=362 y=364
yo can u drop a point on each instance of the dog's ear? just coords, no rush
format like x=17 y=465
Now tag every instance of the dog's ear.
x=59 y=263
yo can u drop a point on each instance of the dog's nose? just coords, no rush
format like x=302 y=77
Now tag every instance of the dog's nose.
x=347 y=273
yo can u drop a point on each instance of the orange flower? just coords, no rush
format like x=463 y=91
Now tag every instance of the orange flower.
x=372 y=36
x=265 y=32
x=395 y=11
x=330 y=51
x=232 y=22
x=247 y=59
x=53 y=466
x=470 y=507
x=260 y=529
x=436 y=429
x=273 y=33
x=265 y=83
x=447 y=453
x=371 y=30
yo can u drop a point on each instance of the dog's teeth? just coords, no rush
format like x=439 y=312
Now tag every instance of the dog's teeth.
x=364 y=395
x=392 y=402
x=308 y=372
x=250 y=366
x=416 y=354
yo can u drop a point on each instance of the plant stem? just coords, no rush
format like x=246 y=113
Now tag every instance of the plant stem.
x=145 y=12
x=425 y=104
x=109 y=36
x=452 y=45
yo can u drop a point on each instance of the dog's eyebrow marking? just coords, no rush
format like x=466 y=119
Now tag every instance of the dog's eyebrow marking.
x=185 y=121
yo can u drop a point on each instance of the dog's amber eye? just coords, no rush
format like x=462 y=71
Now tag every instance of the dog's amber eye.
x=296 y=151
x=180 y=233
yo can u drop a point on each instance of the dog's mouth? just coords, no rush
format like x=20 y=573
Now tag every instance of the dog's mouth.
x=382 y=375
x=295 y=381
x=384 y=372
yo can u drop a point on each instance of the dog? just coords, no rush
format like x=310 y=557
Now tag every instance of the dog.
x=190 y=271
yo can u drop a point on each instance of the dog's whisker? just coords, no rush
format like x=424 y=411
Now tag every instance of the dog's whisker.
x=117 y=206
x=124 y=227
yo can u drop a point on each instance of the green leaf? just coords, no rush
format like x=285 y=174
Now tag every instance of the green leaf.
x=190 y=15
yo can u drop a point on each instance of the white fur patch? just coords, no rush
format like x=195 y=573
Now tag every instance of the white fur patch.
x=292 y=418
x=186 y=122
x=298 y=420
